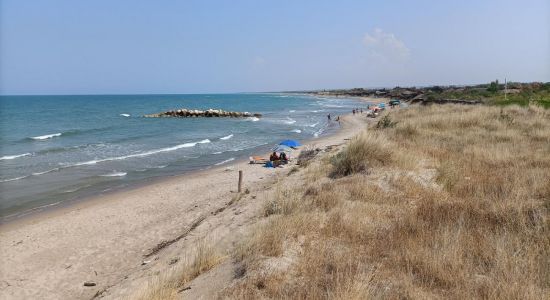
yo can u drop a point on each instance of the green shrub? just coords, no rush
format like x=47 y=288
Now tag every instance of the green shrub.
x=385 y=122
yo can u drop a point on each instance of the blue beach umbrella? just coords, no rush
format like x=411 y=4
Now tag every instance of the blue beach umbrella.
x=290 y=143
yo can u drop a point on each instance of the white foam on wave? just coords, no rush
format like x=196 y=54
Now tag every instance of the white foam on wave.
x=253 y=119
x=225 y=161
x=9 y=157
x=114 y=174
x=125 y=115
x=291 y=111
x=47 y=136
x=218 y=152
x=45 y=172
x=226 y=137
x=331 y=105
x=320 y=131
x=313 y=125
x=147 y=153
x=296 y=130
x=14 y=179
x=289 y=121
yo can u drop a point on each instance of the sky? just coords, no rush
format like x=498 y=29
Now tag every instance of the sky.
x=144 y=47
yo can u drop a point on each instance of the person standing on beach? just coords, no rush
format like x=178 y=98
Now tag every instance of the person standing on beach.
x=328 y=117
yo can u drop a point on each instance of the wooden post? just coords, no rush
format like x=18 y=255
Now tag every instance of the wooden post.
x=240 y=181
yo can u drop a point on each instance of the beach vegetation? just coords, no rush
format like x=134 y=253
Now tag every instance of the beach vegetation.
x=169 y=284
x=469 y=219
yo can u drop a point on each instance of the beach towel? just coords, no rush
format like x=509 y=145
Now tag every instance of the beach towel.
x=258 y=160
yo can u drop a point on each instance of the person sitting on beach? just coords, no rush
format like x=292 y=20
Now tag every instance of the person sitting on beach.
x=274 y=157
x=284 y=158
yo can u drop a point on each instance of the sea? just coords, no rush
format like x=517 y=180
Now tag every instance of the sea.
x=58 y=149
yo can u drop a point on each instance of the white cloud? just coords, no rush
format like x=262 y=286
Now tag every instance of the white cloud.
x=385 y=46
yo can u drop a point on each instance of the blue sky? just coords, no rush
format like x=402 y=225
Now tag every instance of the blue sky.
x=103 y=47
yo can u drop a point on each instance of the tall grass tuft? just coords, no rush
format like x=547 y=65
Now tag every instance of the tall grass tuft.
x=366 y=150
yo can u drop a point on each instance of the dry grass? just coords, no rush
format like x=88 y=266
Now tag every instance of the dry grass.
x=451 y=202
x=168 y=285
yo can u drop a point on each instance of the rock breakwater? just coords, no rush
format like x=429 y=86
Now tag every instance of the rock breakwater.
x=194 y=113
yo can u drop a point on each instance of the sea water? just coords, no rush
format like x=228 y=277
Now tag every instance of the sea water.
x=55 y=149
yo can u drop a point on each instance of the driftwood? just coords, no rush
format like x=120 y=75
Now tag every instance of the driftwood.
x=165 y=244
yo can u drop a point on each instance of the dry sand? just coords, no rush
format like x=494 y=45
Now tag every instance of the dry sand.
x=104 y=240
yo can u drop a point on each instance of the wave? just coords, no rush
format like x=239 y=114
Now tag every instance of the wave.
x=226 y=137
x=115 y=174
x=296 y=130
x=291 y=111
x=313 y=125
x=28 y=211
x=125 y=115
x=147 y=153
x=45 y=172
x=320 y=131
x=331 y=105
x=252 y=119
x=14 y=179
x=218 y=152
x=47 y=136
x=9 y=157
x=70 y=132
x=289 y=121
x=225 y=161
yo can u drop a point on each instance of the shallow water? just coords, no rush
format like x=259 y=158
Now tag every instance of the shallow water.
x=59 y=148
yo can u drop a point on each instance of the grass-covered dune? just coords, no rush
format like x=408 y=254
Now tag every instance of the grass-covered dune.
x=436 y=202
x=450 y=202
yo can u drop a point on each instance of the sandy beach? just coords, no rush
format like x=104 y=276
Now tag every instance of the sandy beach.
x=110 y=240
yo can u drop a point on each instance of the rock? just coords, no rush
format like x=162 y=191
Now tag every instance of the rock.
x=89 y=283
x=209 y=113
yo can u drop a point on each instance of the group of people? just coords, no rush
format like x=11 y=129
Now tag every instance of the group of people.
x=337 y=118
x=278 y=159
x=357 y=111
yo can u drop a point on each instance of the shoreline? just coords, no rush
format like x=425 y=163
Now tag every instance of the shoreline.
x=104 y=239
x=48 y=209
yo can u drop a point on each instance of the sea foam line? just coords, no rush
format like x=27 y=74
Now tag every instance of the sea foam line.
x=47 y=136
x=14 y=179
x=186 y=145
x=225 y=161
x=45 y=172
x=115 y=174
x=9 y=157
x=226 y=137
x=289 y=121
